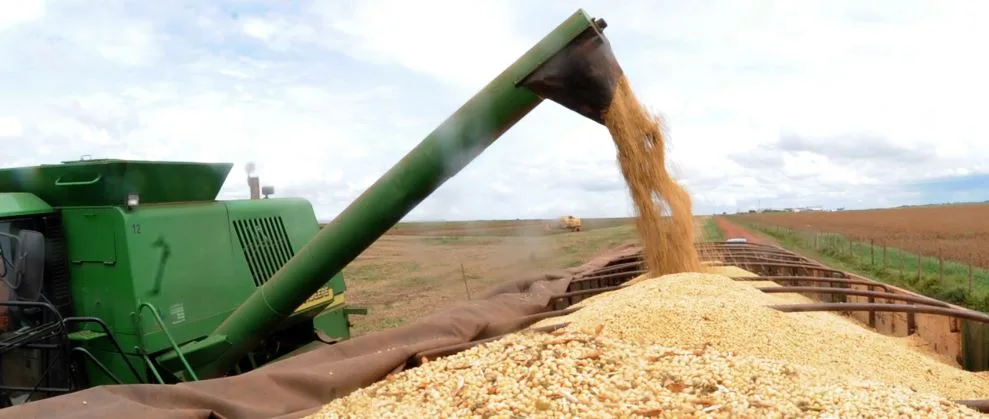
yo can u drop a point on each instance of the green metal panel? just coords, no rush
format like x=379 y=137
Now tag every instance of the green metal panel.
x=109 y=182
x=298 y=220
x=21 y=203
x=186 y=261
x=182 y=262
x=93 y=238
x=100 y=288
x=264 y=234
x=441 y=155
x=333 y=322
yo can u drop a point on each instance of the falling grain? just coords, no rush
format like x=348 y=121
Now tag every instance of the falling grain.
x=664 y=216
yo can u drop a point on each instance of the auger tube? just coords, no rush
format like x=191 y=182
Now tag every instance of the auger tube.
x=573 y=65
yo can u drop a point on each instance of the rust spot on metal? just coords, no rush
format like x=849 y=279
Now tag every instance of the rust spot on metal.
x=790 y=266
x=815 y=279
x=862 y=293
x=981 y=406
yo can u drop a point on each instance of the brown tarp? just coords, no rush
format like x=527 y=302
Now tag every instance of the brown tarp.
x=300 y=385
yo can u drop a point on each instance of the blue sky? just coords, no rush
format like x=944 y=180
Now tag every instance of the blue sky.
x=966 y=188
x=785 y=103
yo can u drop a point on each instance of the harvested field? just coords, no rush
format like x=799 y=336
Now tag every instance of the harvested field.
x=403 y=277
x=957 y=232
x=498 y=227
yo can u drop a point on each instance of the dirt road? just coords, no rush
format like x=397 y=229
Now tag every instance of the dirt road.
x=732 y=230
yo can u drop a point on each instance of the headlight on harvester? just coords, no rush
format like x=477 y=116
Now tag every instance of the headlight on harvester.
x=132 y=200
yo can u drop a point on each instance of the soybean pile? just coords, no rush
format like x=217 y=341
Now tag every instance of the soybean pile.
x=706 y=310
x=664 y=215
x=608 y=363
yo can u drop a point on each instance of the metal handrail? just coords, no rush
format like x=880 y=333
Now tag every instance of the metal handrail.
x=175 y=346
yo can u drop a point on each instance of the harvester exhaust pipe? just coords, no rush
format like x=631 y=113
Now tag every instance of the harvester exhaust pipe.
x=253 y=182
x=573 y=65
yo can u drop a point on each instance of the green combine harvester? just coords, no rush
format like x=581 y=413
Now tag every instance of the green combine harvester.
x=118 y=263
x=124 y=272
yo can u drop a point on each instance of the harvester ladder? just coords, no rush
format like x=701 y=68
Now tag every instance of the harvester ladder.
x=157 y=317
x=57 y=328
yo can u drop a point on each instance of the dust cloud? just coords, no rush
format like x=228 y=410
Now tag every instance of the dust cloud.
x=664 y=215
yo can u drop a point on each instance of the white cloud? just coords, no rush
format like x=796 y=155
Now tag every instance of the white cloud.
x=431 y=37
x=130 y=45
x=837 y=103
x=10 y=127
x=16 y=12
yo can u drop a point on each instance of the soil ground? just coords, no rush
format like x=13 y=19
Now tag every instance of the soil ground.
x=731 y=230
x=500 y=227
x=956 y=232
x=419 y=267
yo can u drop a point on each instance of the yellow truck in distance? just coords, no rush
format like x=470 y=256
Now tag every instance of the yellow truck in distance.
x=570 y=223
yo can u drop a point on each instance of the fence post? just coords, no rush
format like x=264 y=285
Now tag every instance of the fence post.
x=872 y=252
x=940 y=264
x=970 y=271
x=884 y=255
x=920 y=260
x=901 y=260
